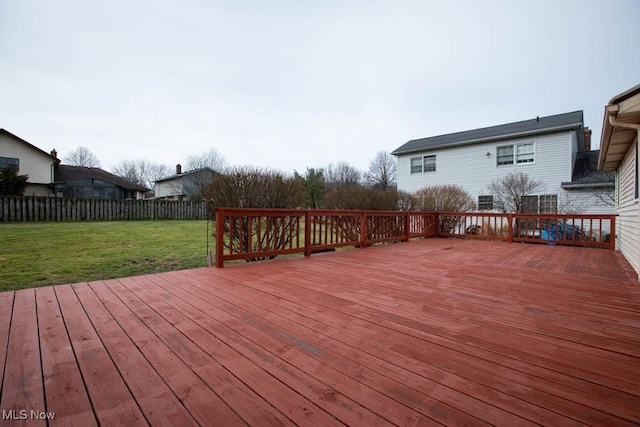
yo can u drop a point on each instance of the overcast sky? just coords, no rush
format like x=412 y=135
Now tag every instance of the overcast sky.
x=290 y=84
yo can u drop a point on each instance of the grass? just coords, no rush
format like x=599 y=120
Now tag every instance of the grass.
x=40 y=254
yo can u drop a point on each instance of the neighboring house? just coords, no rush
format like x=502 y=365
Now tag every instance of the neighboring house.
x=183 y=186
x=554 y=149
x=619 y=153
x=27 y=159
x=94 y=183
x=47 y=177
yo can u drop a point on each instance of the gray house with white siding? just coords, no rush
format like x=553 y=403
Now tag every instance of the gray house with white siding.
x=554 y=149
x=619 y=154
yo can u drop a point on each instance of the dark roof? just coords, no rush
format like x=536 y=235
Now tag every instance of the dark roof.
x=586 y=173
x=534 y=126
x=185 y=174
x=66 y=173
x=6 y=132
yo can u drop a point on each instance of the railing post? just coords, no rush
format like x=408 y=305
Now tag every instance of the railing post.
x=219 y=238
x=363 y=229
x=407 y=226
x=612 y=235
x=307 y=233
x=509 y=228
x=436 y=224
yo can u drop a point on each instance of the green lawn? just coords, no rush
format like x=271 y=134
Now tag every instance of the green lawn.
x=38 y=254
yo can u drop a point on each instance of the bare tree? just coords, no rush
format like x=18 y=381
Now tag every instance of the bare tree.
x=382 y=171
x=142 y=172
x=210 y=158
x=510 y=192
x=342 y=175
x=82 y=156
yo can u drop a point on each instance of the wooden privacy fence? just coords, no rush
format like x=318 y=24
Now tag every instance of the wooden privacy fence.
x=257 y=234
x=24 y=209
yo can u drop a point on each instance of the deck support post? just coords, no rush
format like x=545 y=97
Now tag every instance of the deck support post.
x=510 y=228
x=363 y=230
x=407 y=226
x=219 y=238
x=612 y=235
x=307 y=233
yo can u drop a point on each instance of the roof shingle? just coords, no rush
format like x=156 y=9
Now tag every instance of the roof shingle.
x=526 y=127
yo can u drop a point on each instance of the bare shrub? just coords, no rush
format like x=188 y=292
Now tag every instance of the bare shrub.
x=406 y=201
x=250 y=187
x=369 y=199
x=361 y=198
x=445 y=198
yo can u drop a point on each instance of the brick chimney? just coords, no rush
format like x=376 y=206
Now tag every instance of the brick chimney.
x=54 y=153
x=178 y=169
x=587 y=139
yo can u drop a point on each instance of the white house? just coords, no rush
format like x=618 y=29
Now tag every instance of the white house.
x=27 y=159
x=183 y=185
x=619 y=153
x=553 y=149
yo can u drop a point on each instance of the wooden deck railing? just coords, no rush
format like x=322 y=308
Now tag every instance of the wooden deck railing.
x=256 y=234
x=574 y=230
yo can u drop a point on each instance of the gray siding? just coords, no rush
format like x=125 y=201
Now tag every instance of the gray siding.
x=629 y=213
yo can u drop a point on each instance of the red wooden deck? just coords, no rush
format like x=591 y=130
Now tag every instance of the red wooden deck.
x=435 y=331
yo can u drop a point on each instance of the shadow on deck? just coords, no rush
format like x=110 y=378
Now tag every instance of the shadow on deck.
x=431 y=331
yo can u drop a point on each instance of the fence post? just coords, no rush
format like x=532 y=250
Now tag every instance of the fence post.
x=509 y=228
x=307 y=233
x=219 y=238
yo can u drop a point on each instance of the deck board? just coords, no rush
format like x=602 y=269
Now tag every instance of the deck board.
x=22 y=388
x=436 y=331
x=62 y=379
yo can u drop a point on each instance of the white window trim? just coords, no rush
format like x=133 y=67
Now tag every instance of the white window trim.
x=515 y=154
x=435 y=163
x=422 y=171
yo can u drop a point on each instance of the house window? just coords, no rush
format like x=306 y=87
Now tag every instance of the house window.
x=416 y=165
x=423 y=164
x=429 y=163
x=9 y=162
x=505 y=155
x=549 y=204
x=516 y=154
x=485 y=203
x=525 y=153
x=529 y=204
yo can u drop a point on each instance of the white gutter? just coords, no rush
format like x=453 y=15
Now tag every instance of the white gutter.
x=614 y=123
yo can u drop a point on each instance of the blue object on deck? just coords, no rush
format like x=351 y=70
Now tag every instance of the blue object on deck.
x=560 y=232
